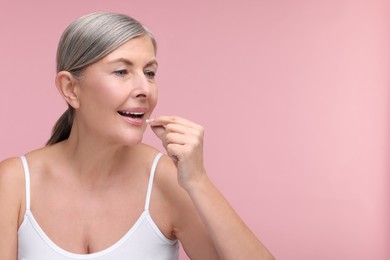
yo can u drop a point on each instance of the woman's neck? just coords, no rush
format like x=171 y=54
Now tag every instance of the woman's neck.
x=93 y=159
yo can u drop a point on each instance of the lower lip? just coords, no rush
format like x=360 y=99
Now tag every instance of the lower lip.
x=134 y=121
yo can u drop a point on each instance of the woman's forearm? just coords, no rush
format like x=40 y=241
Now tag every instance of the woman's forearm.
x=231 y=236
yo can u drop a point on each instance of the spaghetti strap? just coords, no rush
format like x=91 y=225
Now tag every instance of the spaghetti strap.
x=151 y=177
x=27 y=180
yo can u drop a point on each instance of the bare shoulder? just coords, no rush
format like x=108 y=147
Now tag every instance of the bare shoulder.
x=166 y=181
x=12 y=190
x=11 y=174
x=166 y=177
x=147 y=149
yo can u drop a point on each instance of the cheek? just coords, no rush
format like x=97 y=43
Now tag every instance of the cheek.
x=154 y=99
x=102 y=92
x=97 y=102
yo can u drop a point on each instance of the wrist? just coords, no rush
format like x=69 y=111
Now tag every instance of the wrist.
x=201 y=183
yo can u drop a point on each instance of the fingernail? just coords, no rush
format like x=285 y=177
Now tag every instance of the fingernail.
x=148 y=121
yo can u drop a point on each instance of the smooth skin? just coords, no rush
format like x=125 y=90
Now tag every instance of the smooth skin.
x=84 y=190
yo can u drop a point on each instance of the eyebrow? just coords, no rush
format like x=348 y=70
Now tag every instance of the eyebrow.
x=129 y=63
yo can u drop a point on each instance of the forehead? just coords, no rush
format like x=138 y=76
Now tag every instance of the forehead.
x=140 y=48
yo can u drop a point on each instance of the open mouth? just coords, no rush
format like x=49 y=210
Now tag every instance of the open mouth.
x=135 y=115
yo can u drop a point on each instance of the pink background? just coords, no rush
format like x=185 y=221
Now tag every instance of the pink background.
x=294 y=96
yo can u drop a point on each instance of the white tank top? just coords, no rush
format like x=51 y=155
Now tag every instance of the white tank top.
x=144 y=241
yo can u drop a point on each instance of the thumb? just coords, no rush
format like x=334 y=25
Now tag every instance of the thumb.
x=159 y=131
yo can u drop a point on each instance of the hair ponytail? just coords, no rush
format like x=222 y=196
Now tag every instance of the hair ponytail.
x=62 y=128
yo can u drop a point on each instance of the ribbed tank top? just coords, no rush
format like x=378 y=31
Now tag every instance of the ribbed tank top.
x=144 y=241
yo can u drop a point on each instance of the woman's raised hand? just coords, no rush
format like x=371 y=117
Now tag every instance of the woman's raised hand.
x=183 y=141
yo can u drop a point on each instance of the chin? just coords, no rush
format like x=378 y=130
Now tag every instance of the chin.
x=127 y=137
x=132 y=140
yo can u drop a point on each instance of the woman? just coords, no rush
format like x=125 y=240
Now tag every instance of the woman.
x=95 y=191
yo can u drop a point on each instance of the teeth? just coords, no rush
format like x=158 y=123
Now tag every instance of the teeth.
x=136 y=113
x=132 y=113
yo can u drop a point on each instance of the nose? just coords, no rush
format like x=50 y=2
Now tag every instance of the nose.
x=141 y=86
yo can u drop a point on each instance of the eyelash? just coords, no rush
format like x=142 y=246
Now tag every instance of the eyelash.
x=120 y=73
x=149 y=73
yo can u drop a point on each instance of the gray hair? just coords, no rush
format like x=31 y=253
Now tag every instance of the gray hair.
x=86 y=41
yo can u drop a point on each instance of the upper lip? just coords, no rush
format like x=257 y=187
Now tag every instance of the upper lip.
x=134 y=110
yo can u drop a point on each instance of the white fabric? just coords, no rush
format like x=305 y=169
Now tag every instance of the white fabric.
x=144 y=241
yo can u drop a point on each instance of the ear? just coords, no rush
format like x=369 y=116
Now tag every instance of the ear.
x=68 y=87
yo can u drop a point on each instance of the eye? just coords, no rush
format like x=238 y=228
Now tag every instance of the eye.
x=150 y=74
x=121 y=73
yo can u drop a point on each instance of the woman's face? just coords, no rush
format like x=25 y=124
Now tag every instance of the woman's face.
x=118 y=93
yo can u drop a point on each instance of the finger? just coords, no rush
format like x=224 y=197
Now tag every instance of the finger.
x=175 y=151
x=175 y=138
x=177 y=128
x=180 y=126
x=169 y=137
x=164 y=120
